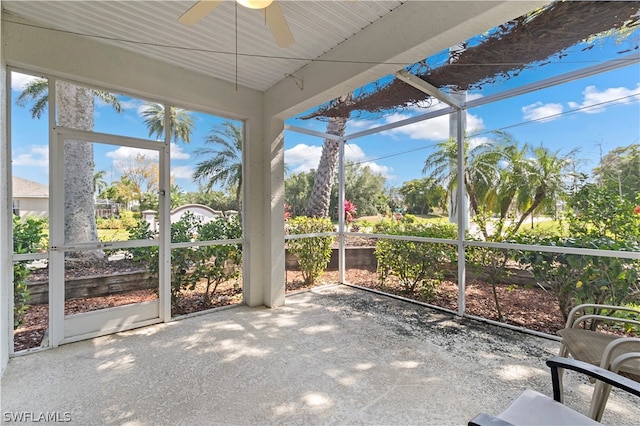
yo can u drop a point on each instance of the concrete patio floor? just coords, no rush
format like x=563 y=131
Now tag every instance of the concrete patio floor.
x=334 y=355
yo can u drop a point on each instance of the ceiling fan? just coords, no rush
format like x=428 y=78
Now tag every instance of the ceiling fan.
x=273 y=16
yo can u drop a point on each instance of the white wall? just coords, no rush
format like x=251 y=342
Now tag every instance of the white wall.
x=33 y=207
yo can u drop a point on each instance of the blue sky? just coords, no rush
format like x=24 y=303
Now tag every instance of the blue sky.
x=542 y=117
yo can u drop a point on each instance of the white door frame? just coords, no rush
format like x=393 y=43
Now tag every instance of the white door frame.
x=71 y=328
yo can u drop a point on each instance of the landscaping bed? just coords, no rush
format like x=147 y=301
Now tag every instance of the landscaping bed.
x=532 y=308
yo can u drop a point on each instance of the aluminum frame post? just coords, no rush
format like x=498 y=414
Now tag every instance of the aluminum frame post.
x=341 y=221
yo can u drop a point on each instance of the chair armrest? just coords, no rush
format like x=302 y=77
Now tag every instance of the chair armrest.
x=615 y=365
x=605 y=318
x=632 y=343
x=555 y=363
x=483 y=419
x=570 y=317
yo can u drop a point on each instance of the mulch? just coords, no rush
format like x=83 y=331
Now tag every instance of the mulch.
x=532 y=308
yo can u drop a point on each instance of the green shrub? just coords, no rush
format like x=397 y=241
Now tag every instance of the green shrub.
x=490 y=265
x=183 y=259
x=219 y=263
x=576 y=279
x=314 y=253
x=216 y=263
x=129 y=219
x=108 y=223
x=418 y=266
x=28 y=237
x=628 y=328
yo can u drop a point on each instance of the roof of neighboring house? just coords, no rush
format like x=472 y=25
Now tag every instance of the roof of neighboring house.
x=24 y=188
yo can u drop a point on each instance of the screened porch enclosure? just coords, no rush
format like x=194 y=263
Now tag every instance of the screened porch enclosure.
x=474 y=262
x=49 y=42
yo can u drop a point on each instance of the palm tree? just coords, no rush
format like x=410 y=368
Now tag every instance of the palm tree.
x=320 y=197
x=99 y=184
x=75 y=109
x=547 y=171
x=224 y=165
x=482 y=171
x=181 y=122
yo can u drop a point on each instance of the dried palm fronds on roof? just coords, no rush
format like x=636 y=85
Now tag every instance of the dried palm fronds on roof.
x=516 y=45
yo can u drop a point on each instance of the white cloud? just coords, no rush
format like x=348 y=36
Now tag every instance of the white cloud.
x=127 y=153
x=177 y=153
x=360 y=125
x=20 y=81
x=38 y=156
x=141 y=108
x=182 y=172
x=353 y=152
x=540 y=111
x=477 y=141
x=302 y=158
x=131 y=104
x=385 y=171
x=435 y=129
x=613 y=95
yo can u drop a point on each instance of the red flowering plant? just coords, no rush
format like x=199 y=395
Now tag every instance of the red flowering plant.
x=637 y=210
x=349 y=211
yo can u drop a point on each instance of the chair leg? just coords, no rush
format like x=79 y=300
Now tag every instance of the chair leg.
x=564 y=352
x=599 y=400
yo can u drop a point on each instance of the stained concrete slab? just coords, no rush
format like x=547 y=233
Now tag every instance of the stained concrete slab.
x=335 y=355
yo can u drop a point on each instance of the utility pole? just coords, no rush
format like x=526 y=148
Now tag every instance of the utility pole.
x=619 y=184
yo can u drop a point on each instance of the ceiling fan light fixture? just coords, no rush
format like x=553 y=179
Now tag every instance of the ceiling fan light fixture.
x=255 y=4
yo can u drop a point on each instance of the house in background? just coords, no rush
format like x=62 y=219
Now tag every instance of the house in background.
x=30 y=198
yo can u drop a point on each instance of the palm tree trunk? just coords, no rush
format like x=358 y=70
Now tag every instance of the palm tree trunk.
x=75 y=110
x=536 y=202
x=320 y=197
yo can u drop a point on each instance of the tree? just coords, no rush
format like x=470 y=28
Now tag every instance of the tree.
x=178 y=197
x=217 y=200
x=545 y=177
x=619 y=171
x=75 y=109
x=481 y=173
x=99 y=184
x=364 y=188
x=124 y=191
x=224 y=165
x=141 y=173
x=500 y=177
x=598 y=211
x=181 y=122
x=320 y=198
x=422 y=195
x=297 y=189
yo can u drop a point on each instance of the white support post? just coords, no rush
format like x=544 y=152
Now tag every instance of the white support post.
x=56 y=225
x=462 y=209
x=263 y=212
x=341 y=218
x=164 y=221
x=6 y=221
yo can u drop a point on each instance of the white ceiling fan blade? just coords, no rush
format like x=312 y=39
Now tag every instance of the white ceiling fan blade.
x=198 y=11
x=278 y=25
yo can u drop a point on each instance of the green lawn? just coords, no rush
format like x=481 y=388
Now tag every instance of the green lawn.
x=113 y=235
